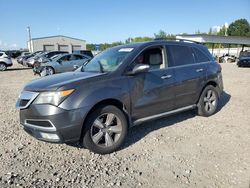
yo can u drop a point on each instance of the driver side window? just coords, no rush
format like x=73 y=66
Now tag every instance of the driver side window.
x=152 y=57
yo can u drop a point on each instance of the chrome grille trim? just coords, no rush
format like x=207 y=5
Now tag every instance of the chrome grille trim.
x=53 y=128
x=26 y=95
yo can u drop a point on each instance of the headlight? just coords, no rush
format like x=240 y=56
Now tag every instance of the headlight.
x=54 y=98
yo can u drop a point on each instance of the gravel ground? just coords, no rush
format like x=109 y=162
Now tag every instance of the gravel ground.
x=183 y=150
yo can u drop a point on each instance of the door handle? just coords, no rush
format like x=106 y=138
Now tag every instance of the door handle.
x=199 y=70
x=166 y=76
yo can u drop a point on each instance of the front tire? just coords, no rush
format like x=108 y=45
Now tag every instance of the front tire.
x=3 y=67
x=208 y=101
x=50 y=71
x=105 y=130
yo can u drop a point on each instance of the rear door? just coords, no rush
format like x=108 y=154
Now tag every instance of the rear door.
x=190 y=75
x=152 y=92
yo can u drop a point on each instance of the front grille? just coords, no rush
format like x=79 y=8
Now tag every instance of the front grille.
x=40 y=123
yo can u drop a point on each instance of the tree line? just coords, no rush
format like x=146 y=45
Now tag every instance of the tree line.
x=240 y=27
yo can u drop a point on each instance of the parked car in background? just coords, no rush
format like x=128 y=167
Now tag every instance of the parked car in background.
x=61 y=63
x=13 y=53
x=25 y=53
x=42 y=58
x=24 y=59
x=226 y=58
x=84 y=52
x=5 y=61
x=123 y=86
x=244 y=61
x=245 y=53
x=22 y=56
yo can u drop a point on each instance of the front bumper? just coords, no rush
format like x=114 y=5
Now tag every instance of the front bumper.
x=243 y=63
x=61 y=126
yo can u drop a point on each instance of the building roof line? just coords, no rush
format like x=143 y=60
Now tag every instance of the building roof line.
x=57 y=36
x=205 y=38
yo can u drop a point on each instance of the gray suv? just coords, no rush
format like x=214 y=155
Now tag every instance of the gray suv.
x=123 y=86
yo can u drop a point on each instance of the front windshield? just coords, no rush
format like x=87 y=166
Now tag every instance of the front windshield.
x=108 y=60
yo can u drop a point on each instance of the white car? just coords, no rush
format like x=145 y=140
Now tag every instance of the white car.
x=5 y=61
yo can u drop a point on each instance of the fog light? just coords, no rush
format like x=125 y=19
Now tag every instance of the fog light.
x=49 y=136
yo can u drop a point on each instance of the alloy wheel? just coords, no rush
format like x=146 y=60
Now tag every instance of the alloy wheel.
x=2 y=67
x=106 y=130
x=50 y=71
x=210 y=101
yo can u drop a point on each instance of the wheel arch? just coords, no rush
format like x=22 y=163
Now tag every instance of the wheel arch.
x=211 y=83
x=52 y=68
x=110 y=101
x=3 y=63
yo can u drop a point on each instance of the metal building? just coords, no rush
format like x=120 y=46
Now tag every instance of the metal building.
x=56 y=43
x=242 y=42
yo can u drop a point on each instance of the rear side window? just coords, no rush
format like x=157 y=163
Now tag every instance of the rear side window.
x=200 y=56
x=1 y=54
x=181 y=55
x=75 y=57
x=79 y=57
x=49 y=55
x=65 y=58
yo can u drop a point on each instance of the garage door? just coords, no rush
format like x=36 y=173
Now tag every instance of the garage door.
x=48 y=47
x=76 y=47
x=64 y=48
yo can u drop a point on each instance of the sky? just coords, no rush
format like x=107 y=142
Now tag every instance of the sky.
x=99 y=21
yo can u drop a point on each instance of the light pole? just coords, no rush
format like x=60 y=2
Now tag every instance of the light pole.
x=30 y=42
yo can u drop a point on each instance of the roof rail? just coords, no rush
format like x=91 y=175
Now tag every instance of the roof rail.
x=186 y=40
x=180 y=40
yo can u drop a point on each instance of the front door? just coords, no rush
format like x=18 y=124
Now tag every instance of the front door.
x=152 y=92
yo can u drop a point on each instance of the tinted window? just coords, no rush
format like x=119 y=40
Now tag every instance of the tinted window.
x=78 y=57
x=181 y=55
x=75 y=57
x=1 y=54
x=65 y=58
x=200 y=56
x=49 y=55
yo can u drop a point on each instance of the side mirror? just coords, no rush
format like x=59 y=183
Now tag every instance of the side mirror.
x=140 y=68
x=76 y=67
x=59 y=61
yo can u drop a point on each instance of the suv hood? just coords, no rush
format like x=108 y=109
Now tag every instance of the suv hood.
x=54 y=82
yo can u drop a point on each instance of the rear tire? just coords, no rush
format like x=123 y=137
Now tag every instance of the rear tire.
x=3 y=67
x=105 y=130
x=208 y=101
